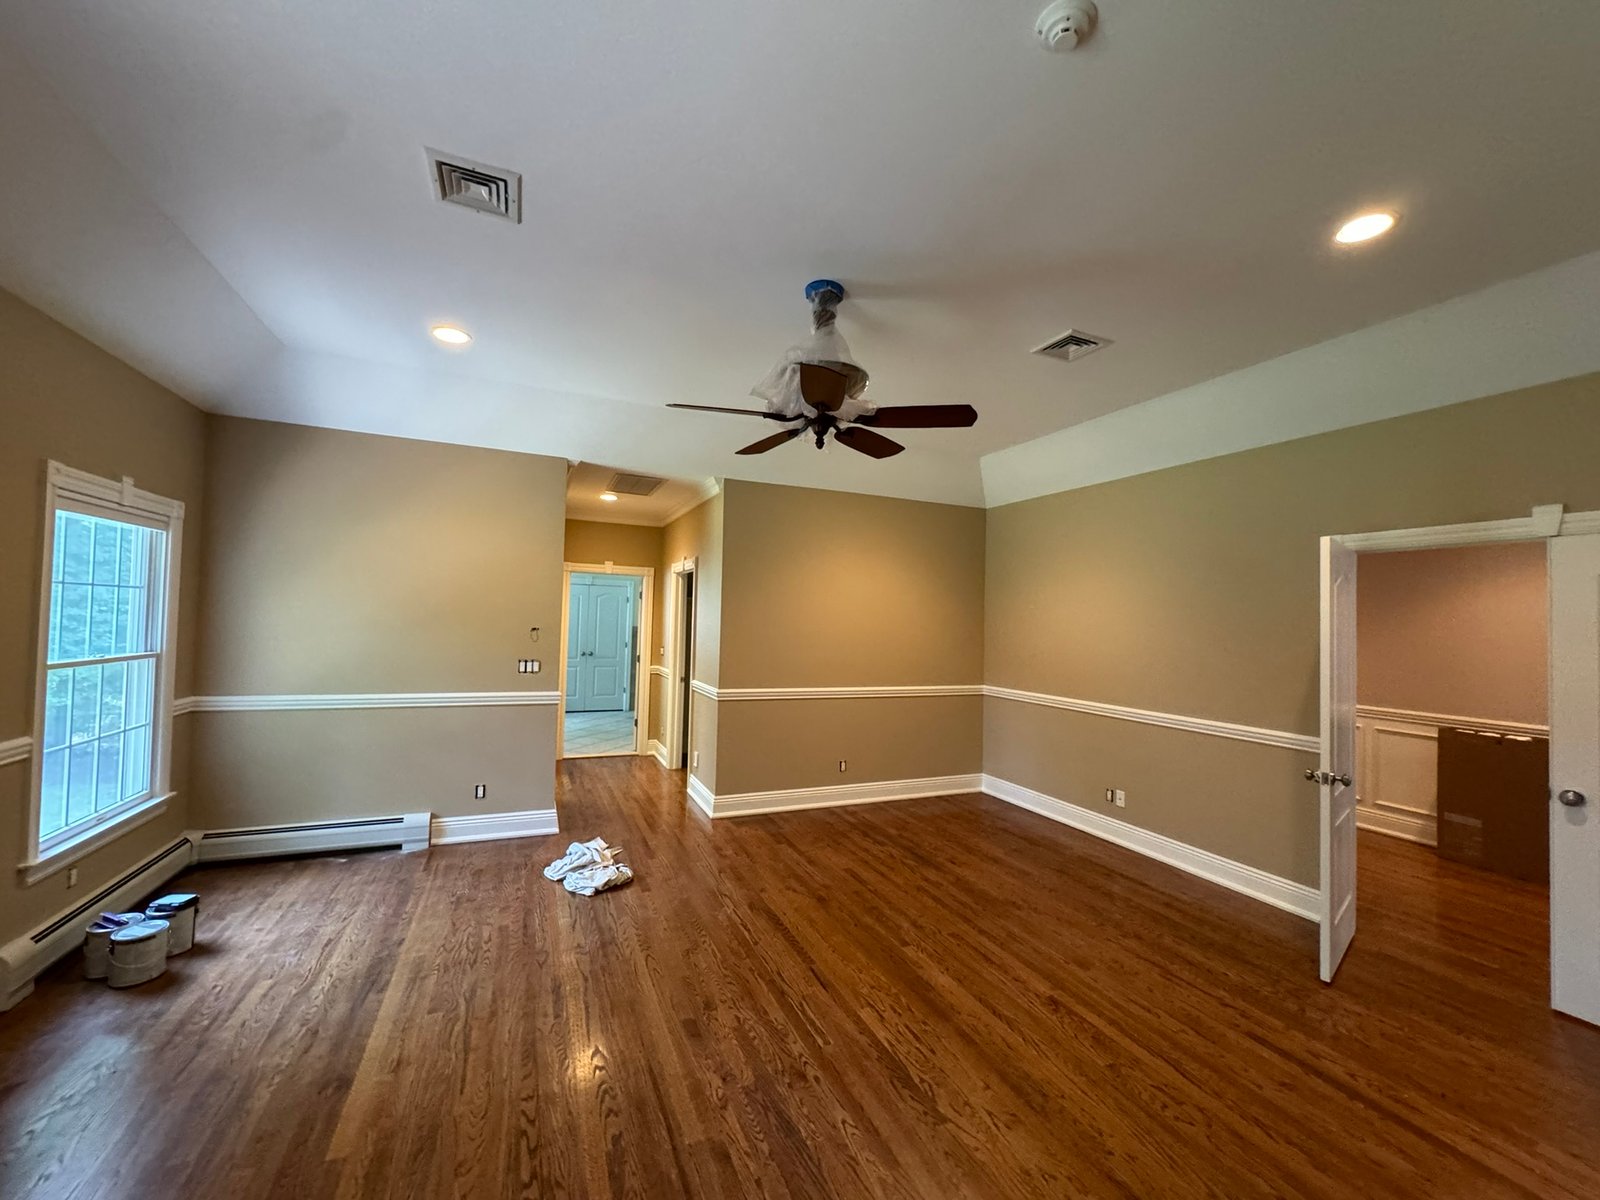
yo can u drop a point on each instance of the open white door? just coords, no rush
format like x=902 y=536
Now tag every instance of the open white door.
x=1335 y=779
x=1575 y=776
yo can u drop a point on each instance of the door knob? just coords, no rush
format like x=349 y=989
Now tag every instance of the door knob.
x=1572 y=799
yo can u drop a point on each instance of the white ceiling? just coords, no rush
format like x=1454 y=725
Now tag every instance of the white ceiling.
x=586 y=481
x=234 y=198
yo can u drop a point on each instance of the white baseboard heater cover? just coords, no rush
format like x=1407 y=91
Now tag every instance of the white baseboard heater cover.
x=25 y=957
x=408 y=831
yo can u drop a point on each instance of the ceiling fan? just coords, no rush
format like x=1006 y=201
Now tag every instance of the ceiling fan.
x=817 y=388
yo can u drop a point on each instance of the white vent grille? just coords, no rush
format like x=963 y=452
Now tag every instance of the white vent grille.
x=1072 y=345
x=493 y=191
x=634 y=485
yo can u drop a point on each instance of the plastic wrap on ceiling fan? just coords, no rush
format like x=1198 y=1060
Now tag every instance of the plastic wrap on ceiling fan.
x=825 y=346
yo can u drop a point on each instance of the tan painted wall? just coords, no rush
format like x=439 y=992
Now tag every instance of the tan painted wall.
x=698 y=534
x=63 y=398
x=1194 y=591
x=343 y=562
x=828 y=589
x=1463 y=631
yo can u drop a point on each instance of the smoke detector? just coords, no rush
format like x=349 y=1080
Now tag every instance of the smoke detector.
x=493 y=191
x=1065 y=24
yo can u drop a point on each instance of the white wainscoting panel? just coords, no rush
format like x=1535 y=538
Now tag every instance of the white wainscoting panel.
x=1397 y=767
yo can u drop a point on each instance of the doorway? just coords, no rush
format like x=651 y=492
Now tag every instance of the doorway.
x=606 y=624
x=677 y=731
x=1573 y=777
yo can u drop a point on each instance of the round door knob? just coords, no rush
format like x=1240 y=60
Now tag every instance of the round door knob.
x=1572 y=799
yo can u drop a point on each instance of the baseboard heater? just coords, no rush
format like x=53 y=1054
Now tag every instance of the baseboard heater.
x=408 y=831
x=25 y=957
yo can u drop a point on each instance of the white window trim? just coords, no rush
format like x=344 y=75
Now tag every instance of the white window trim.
x=118 y=500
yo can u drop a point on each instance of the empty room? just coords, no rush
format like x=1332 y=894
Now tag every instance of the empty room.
x=968 y=601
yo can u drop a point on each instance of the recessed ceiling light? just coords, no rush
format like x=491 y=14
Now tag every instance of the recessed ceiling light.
x=609 y=497
x=1365 y=227
x=450 y=335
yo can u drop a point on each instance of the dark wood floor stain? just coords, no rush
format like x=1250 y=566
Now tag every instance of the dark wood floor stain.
x=933 y=998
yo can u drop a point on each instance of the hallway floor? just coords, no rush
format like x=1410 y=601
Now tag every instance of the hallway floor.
x=925 y=999
x=597 y=733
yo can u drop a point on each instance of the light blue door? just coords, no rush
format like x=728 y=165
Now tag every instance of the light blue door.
x=600 y=644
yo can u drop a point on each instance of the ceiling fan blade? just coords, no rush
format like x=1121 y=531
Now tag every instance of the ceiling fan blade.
x=771 y=443
x=921 y=416
x=742 y=412
x=872 y=444
x=822 y=387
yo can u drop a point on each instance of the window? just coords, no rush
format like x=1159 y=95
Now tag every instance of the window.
x=102 y=723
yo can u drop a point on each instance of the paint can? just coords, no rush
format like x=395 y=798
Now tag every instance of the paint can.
x=181 y=910
x=138 y=954
x=97 y=941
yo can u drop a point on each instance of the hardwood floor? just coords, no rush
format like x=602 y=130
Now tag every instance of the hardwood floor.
x=938 y=998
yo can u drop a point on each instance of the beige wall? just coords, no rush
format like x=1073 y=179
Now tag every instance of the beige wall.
x=698 y=534
x=1463 y=632
x=63 y=398
x=343 y=562
x=1194 y=591
x=827 y=589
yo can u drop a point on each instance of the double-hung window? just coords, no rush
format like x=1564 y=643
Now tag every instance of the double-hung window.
x=103 y=705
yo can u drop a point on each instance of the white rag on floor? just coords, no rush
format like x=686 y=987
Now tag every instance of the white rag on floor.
x=589 y=880
x=592 y=853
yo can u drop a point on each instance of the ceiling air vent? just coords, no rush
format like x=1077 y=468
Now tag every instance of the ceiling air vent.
x=634 y=485
x=475 y=185
x=1072 y=345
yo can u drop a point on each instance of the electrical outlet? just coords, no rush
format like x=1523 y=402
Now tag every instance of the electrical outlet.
x=1111 y=796
x=841 y=766
x=480 y=791
x=696 y=757
x=1119 y=798
x=72 y=877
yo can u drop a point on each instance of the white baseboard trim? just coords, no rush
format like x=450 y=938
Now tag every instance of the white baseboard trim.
x=701 y=795
x=751 y=804
x=658 y=751
x=1292 y=897
x=23 y=958
x=408 y=831
x=1399 y=825
x=492 y=827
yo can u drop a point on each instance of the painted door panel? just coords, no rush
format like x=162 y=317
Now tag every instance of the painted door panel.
x=599 y=643
x=1338 y=798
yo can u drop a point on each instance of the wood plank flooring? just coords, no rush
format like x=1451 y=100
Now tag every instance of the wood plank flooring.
x=933 y=998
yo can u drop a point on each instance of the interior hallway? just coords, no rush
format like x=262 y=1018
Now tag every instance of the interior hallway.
x=932 y=998
x=597 y=733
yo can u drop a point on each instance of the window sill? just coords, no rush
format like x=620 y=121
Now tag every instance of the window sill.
x=60 y=857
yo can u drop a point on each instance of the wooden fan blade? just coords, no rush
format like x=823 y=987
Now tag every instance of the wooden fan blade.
x=742 y=412
x=770 y=443
x=822 y=387
x=921 y=416
x=872 y=444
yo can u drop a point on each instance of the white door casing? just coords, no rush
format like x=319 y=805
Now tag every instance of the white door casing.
x=1338 y=759
x=1575 y=768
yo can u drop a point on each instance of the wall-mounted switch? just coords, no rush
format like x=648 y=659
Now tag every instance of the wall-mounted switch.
x=480 y=791
x=72 y=877
x=1119 y=798
x=527 y=666
x=696 y=757
x=1111 y=796
x=841 y=766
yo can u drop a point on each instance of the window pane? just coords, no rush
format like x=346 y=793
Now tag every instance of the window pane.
x=72 y=625
x=136 y=761
x=113 y=704
x=102 y=622
x=141 y=691
x=53 y=799
x=84 y=722
x=74 y=548
x=57 y=708
x=108 y=774
x=80 y=782
x=106 y=536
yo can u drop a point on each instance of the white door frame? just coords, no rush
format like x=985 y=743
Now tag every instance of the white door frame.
x=641 y=666
x=679 y=641
x=1546 y=521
